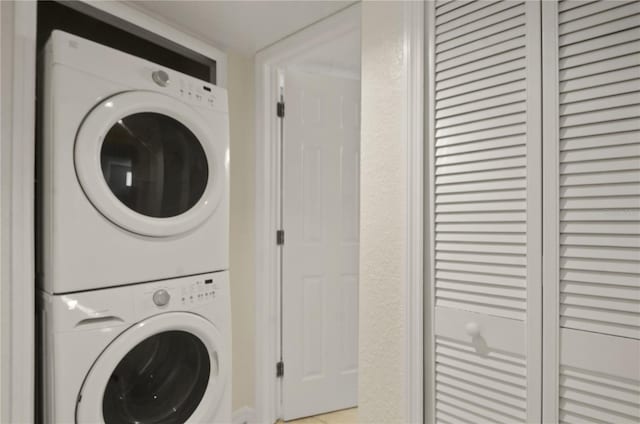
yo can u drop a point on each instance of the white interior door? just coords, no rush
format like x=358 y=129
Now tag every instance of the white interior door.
x=486 y=210
x=320 y=254
x=592 y=169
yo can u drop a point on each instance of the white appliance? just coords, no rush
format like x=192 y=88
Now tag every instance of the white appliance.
x=146 y=353
x=134 y=175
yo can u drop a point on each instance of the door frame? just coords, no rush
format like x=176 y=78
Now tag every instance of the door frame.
x=17 y=153
x=268 y=388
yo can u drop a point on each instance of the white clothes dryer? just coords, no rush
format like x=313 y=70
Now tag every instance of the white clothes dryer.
x=146 y=353
x=134 y=170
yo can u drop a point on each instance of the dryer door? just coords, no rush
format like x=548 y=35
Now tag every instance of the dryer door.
x=151 y=164
x=168 y=369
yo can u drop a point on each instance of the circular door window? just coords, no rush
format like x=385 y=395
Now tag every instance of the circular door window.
x=154 y=164
x=162 y=381
x=150 y=163
x=168 y=369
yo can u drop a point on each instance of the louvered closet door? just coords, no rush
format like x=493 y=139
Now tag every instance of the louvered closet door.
x=485 y=204
x=592 y=167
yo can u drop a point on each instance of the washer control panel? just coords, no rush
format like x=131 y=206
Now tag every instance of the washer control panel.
x=201 y=291
x=177 y=294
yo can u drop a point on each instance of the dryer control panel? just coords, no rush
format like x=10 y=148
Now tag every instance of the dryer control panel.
x=188 y=89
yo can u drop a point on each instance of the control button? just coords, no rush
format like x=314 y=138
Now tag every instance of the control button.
x=161 y=297
x=161 y=78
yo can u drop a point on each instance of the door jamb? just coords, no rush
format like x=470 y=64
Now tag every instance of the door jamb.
x=17 y=153
x=268 y=389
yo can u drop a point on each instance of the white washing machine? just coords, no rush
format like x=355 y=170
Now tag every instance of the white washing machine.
x=147 y=353
x=134 y=170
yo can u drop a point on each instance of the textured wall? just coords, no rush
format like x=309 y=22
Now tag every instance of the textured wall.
x=383 y=216
x=240 y=84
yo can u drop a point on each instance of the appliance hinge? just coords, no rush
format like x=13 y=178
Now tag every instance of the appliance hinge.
x=280 y=369
x=280 y=237
x=280 y=110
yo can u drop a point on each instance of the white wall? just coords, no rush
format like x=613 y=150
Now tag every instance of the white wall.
x=240 y=85
x=383 y=332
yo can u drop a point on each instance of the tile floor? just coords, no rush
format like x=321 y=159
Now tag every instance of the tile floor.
x=346 y=416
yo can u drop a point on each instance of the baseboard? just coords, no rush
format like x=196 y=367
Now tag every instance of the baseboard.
x=244 y=415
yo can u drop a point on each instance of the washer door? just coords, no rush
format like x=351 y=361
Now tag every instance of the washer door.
x=150 y=163
x=169 y=369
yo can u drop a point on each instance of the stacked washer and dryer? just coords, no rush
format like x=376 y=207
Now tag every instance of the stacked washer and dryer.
x=134 y=286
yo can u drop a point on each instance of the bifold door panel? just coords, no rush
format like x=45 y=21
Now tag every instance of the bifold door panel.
x=486 y=219
x=592 y=116
x=599 y=166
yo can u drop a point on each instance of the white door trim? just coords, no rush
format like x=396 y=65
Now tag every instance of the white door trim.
x=429 y=266
x=268 y=390
x=17 y=153
x=414 y=38
x=267 y=61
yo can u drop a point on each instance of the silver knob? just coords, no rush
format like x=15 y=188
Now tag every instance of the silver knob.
x=161 y=78
x=161 y=297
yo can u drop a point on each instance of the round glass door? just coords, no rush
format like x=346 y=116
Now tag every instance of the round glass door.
x=168 y=369
x=152 y=164
x=160 y=381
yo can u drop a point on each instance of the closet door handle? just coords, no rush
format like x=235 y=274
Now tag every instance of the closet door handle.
x=472 y=329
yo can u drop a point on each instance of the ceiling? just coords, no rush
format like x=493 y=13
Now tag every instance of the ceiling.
x=242 y=26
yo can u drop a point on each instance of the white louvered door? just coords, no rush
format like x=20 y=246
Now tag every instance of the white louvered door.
x=592 y=226
x=485 y=157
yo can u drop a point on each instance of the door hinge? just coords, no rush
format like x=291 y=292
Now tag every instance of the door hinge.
x=280 y=110
x=280 y=369
x=280 y=237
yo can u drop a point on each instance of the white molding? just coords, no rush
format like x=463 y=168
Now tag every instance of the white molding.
x=414 y=139
x=267 y=63
x=244 y=415
x=157 y=24
x=429 y=316
x=18 y=258
x=551 y=217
